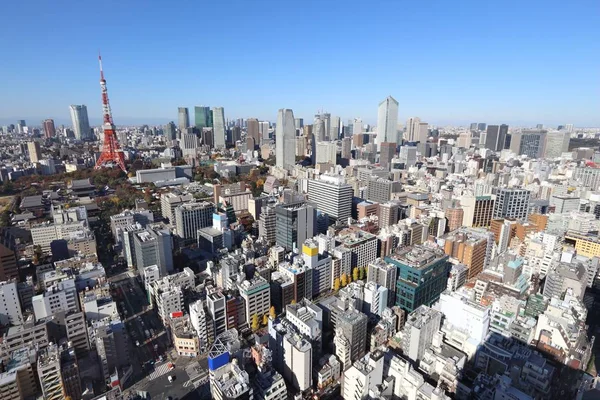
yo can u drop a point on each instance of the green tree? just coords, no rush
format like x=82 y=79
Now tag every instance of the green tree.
x=361 y=273
x=255 y=325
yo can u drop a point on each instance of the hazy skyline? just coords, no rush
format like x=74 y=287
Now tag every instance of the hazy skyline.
x=448 y=63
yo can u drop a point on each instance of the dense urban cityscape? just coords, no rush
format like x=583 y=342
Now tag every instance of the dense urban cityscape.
x=383 y=200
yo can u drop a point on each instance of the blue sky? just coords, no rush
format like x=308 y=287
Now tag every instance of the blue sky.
x=520 y=62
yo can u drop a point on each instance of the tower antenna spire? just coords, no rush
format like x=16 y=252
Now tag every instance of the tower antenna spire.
x=111 y=151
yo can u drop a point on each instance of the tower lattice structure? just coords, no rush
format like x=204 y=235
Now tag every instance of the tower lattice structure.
x=111 y=151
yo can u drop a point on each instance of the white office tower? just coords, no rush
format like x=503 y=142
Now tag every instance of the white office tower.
x=319 y=133
x=263 y=128
x=81 y=123
x=465 y=315
x=387 y=122
x=285 y=139
x=408 y=156
x=419 y=329
x=189 y=217
x=363 y=377
x=10 y=306
x=183 y=118
x=198 y=319
x=556 y=144
x=357 y=126
x=257 y=297
x=326 y=153
x=292 y=354
x=334 y=133
x=332 y=195
x=219 y=127
x=375 y=299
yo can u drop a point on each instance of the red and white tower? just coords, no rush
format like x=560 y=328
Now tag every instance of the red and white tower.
x=111 y=151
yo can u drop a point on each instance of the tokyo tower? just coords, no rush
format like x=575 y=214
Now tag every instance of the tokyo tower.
x=111 y=151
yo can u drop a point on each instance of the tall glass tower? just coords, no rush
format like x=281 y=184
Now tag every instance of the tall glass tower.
x=387 y=121
x=203 y=117
x=218 y=114
x=81 y=123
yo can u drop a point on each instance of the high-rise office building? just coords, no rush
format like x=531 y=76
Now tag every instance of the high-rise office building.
x=332 y=196
x=471 y=247
x=285 y=139
x=35 y=152
x=422 y=276
x=264 y=130
x=326 y=118
x=495 y=138
x=154 y=246
x=219 y=126
x=532 y=143
x=183 y=118
x=388 y=151
x=81 y=123
x=319 y=133
x=477 y=210
x=384 y=274
x=421 y=325
x=557 y=143
x=253 y=130
x=170 y=132
x=256 y=295
x=335 y=128
x=294 y=223
x=352 y=324
x=203 y=117
x=387 y=121
x=299 y=123
x=190 y=217
x=357 y=126
x=481 y=126
x=512 y=204
x=49 y=128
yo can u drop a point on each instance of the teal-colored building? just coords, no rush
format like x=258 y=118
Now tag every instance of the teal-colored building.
x=422 y=276
x=203 y=117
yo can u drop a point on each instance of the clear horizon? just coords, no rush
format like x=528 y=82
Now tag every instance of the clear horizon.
x=449 y=64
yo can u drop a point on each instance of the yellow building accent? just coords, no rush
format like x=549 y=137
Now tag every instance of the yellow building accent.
x=310 y=251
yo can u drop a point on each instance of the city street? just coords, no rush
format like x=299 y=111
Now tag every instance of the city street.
x=150 y=375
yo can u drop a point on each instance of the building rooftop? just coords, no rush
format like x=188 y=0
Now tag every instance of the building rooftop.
x=418 y=256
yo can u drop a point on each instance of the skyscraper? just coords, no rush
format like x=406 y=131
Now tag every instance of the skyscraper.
x=264 y=130
x=512 y=203
x=416 y=131
x=253 y=130
x=387 y=121
x=219 y=126
x=299 y=122
x=532 y=143
x=203 y=117
x=285 y=139
x=49 y=128
x=170 y=132
x=495 y=137
x=183 y=118
x=35 y=152
x=81 y=123
x=326 y=117
x=357 y=126
x=332 y=196
x=335 y=128
x=557 y=143
x=294 y=224
x=319 y=130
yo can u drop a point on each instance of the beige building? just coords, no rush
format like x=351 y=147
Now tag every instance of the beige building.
x=185 y=338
